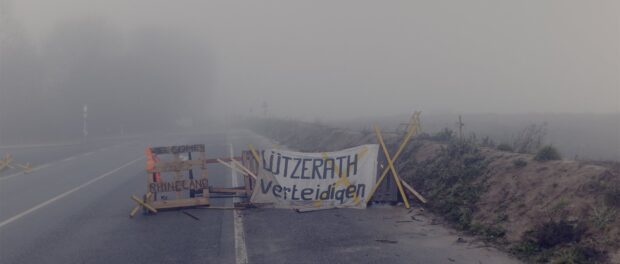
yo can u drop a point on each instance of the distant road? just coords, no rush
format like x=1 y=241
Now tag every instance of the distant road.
x=75 y=210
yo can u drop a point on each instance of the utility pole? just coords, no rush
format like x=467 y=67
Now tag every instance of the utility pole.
x=84 y=124
x=5 y=12
x=265 y=107
x=461 y=125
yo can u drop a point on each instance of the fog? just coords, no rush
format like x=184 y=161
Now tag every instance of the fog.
x=143 y=65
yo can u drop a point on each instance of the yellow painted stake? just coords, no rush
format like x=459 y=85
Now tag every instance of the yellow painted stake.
x=135 y=209
x=254 y=153
x=137 y=200
x=413 y=191
x=412 y=129
x=244 y=168
x=232 y=167
x=391 y=165
x=25 y=167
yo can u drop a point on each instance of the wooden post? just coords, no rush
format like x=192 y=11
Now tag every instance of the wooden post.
x=460 y=124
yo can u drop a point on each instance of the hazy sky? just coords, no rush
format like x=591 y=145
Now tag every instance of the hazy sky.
x=342 y=58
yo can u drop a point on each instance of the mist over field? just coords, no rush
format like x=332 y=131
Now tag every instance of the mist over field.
x=144 y=66
x=314 y=131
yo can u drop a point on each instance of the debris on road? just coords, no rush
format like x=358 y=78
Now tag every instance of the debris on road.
x=386 y=241
x=191 y=215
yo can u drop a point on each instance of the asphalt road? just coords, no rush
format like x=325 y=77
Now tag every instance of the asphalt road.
x=75 y=210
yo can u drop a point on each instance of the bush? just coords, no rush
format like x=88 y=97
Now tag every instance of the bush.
x=612 y=196
x=519 y=163
x=445 y=135
x=601 y=217
x=558 y=242
x=526 y=249
x=504 y=147
x=578 y=254
x=490 y=233
x=450 y=183
x=548 y=152
x=487 y=142
x=530 y=138
x=551 y=234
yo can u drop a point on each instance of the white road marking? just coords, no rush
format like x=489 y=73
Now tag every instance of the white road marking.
x=241 y=253
x=240 y=250
x=37 y=168
x=60 y=196
x=69 y=159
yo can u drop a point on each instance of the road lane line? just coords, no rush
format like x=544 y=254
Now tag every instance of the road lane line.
x=48 y=164
x=241 y=255
x=240 y=251
x=69 y=159
x=60 y=196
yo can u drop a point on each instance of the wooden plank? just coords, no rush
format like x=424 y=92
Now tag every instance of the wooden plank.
x=178 y=176
x=245 y=169
x=231 y=167
x=208 y=161
x=181 y=185
x=247 y=180
x=227 y=190
x=205 y=192
x=166 y=204
x=178 y=149
x=413 y=191
x=177 y=165
x=221 y=208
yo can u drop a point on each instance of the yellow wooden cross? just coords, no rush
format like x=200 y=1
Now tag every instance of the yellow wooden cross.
x=141 y=203
x=413 y=127
x=6 y=162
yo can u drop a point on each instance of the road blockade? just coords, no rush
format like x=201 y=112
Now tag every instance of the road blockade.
x=341 y=179
x=177 y=176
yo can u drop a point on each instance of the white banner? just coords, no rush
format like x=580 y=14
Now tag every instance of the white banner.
x=341 y=179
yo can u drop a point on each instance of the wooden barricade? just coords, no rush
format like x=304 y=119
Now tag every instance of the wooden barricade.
x=178 y=176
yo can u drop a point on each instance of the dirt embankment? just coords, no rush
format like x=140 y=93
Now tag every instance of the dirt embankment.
x=544 y=211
